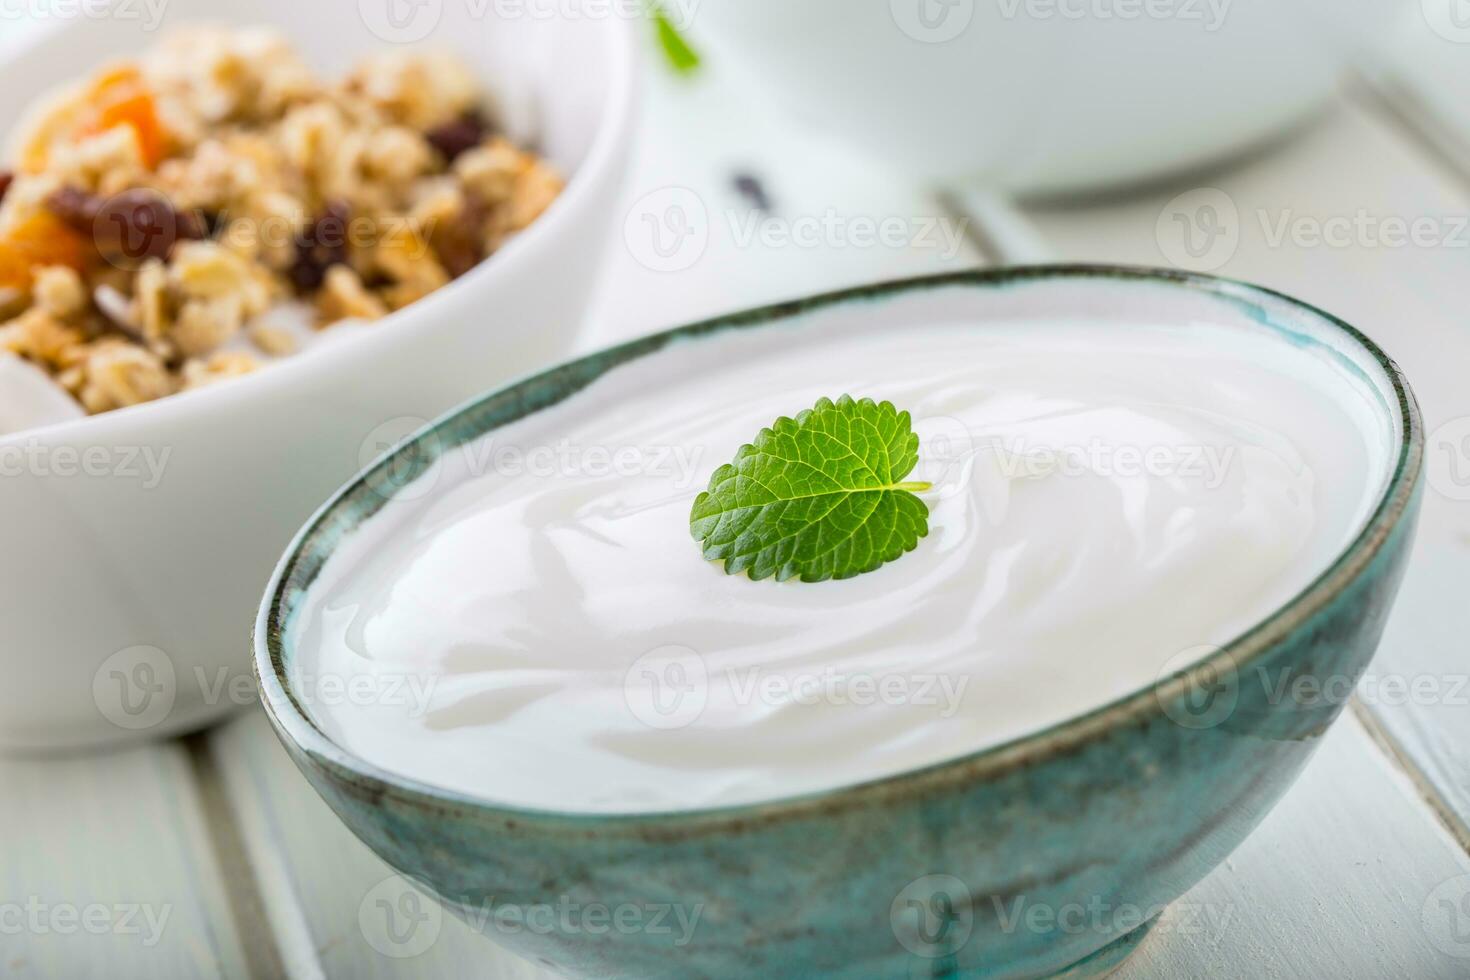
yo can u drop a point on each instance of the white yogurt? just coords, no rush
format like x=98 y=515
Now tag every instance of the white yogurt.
x=533 y=624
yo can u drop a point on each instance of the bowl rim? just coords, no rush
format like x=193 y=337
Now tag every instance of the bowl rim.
x=294 y=725
x=602 y=161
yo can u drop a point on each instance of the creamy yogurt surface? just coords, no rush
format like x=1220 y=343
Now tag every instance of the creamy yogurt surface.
x=531 y=623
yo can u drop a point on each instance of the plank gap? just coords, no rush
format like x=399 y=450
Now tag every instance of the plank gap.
x=247 y=906
x=994 y=226
x=1400 y=759
x=1400 y=106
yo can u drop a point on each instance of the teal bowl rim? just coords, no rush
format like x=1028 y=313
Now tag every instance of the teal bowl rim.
x=293 y=722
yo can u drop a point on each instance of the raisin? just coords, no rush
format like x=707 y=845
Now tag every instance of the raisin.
x=459 y=135
x=76 y=207
x=129 y=227
x=5 y=179
x=319 y=246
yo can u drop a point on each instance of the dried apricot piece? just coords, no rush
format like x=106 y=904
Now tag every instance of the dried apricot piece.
x=120 y=97
x=40 y=240
x=136 y=111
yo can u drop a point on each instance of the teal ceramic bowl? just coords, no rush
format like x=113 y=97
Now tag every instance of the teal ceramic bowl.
x=1099 y=823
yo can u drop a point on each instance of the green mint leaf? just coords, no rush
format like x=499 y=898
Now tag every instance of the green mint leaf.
x=820 y=496
x=677 y=51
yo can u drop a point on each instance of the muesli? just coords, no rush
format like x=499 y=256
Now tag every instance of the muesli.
x=193 y=214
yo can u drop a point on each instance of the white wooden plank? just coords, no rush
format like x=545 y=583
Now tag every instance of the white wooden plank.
x=316 y=877
x=1425 y=77
x=1329 y=218
x=1343 y=879
x=697 y=136
x=108 y=870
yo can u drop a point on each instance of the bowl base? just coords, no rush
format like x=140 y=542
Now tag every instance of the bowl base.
x=1107 y=961
x=1103 y=963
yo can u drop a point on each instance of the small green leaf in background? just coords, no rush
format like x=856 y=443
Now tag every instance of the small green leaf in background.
x=681 y=57
x=820 y=496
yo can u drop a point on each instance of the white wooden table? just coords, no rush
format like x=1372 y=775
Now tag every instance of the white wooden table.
x=210 y=856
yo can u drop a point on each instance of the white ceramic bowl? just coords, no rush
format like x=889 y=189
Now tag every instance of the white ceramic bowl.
x=1045 y=96
x=128 y=599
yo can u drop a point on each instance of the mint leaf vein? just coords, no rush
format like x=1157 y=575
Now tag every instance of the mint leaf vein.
x=818 y=497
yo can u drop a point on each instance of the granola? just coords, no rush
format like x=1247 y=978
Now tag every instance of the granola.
x=155 y=216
